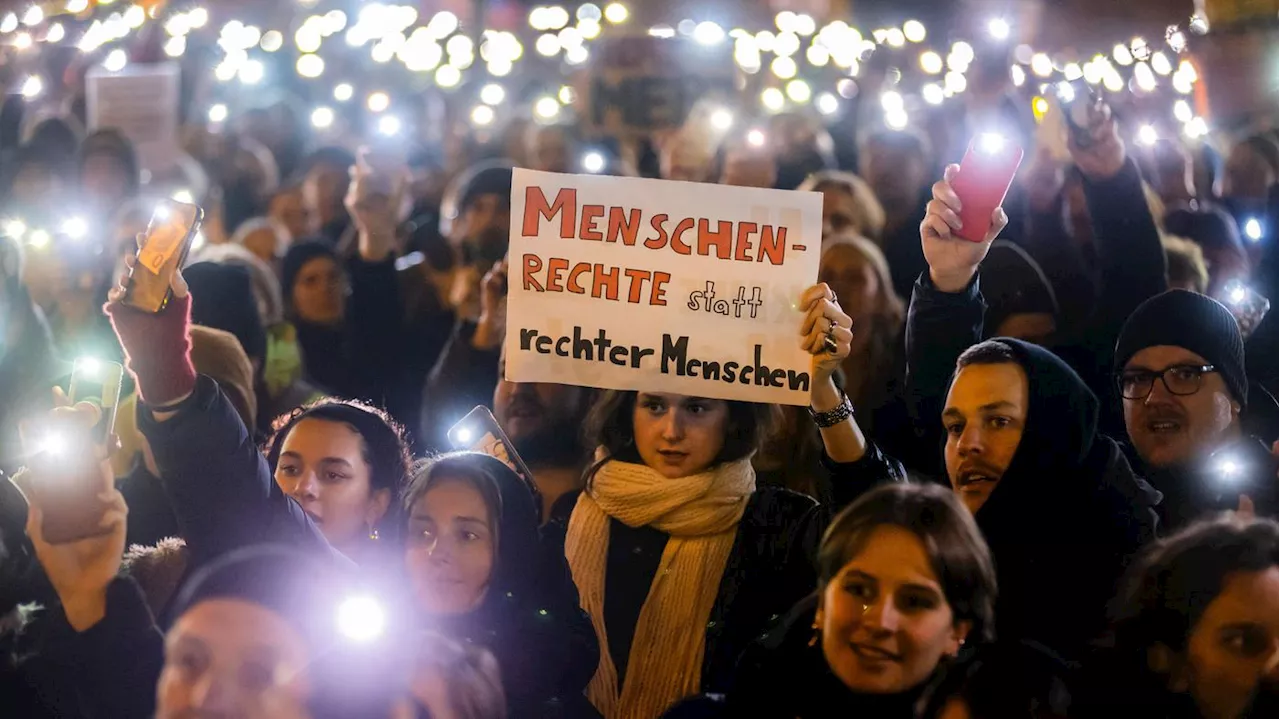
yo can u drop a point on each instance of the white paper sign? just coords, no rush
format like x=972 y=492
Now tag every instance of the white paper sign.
x=694 y=289
x=141 y=101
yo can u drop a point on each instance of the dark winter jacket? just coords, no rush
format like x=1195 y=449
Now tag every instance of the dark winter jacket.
x=1205 y=487
x=463 y=378
x=770 y=568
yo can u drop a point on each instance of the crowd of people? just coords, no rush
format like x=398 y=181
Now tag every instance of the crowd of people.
x=1037 y=476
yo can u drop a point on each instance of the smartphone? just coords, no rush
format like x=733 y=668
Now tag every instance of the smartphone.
x=69 y=480
x=986 y=172
x=98 y=381
x=163 y=250
x=479 y=432
x=1247 y=305
x=1079 y=102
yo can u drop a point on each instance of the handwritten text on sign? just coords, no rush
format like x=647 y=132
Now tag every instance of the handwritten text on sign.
x=624 y=283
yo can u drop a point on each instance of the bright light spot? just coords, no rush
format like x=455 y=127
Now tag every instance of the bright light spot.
x=492 y=94
x=322 y=117
x=361 y=619
x=252 y=71
x=1143 y=77
x=547 y=45
x=1238 y=294
x=39 y=239
x=593 y=162
x=1253 y=229
x=343 y=91
x=310 y=65
x=463 y=435
x=991 y=143
x=891 y=101
x=56 y=33
x=662 y=31
x=389 y=125
x=954 y=82
x=1112 y=80
x=1186 y=69
x=785 y=20
x=500 y=68
x=894 y=37
x=773 y=99
x=576 y=55
x=783 y=67
x=804 y=25
x=786 y=44
x=616 y=12
x=914 y=30
x=77 y=6
x=799 y=91
x=178 y=196
x=896 y=120
x=817 y=55
x=33 y=16
x=198 y=17
x=135 y=16
x=588 y=11
x=443 y=24
x=546 y=107
x=708 y=33
x=590 y=29
x=15 y=228
x=1160 y=63
x=89 y=366
x=378 y=101
x=9 y=24
x=931 y=62
x=722 y=119
x=764 y=41
x=32 y=86
x=1182 y=84
x=1182 y=111
x=1196 y=128
x=1041 y=65
x=75 y=228
x=1228 y=467
x=1018 y=74
x=932 y=93
x=175 y=46
x=1122 y=54
x=1066 y=92
x=218 y=113
x=53 y=443
x=1177 y=40
x=272 y=40
x=116 y=60
x=567 y=95
x=1072 y=71
x=998 y=28
x=755 y=138
x=827 y=103
x=1147 y=135
x=482 y=115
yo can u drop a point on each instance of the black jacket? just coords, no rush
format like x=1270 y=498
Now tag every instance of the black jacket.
x=1191 y=492
x=1069 y=511
x=770 y=568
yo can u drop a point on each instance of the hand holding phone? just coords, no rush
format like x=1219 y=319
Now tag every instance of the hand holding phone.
x=479 y=432
x=374 y=198
x=162 y=250
x=983 y=180
x=953 y=260
x=1247 y=305
x=98 y=382
x=1093 y=137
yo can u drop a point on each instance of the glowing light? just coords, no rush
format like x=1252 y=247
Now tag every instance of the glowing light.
x=998 y=28
x=804 y=25
x=547 y=45
x=1228 y=467
x=389 y=125
x=310 y=66
x=378 y=101
x=616 y=13
x=1253 y=229
x=991 y=143
x=1039 y=106
x=827 y=103
x=500 y=68
x=786 y=44
x=590 y=29
x=914 y=30
x=576 y=55
x=722 y=119
x=53 y=443
x=954 y=82
x=38 y=239
x=252 y=71
x=9 y=23
x=932 y=93
x=817 y=55
x=56 y=33
x=593 y=162
x=135 y=16
x=931 y=62
x=773 y=99
x=1160 y=63
x=23 y=40
x=755 y=138
x=448 y=76
x=1066 y=92
x=361 y=619
x=1147 y=136
x=322 y=118
x=1072 y=71
x=567 y=95
x=443 y=24
x=546 y=108
x=1187 y=70
x=1122 y=54
x=492 y=94
x=891 y=101
x=198 y=17
x=783 y=67
x=589 y=11
x=15 y=228
x=1143 y=77
x=1018 y=74
x=1196 y=128
x=1041 y=65
x=895 y=37
x=343 y=91
x=307 y=39
x=32 y=86
x=1182 y=111
x=272 y=41
x=708 y=33
x=77 y=6
x=896 y=120
x=464 y=434
x=482 y=115
x=785 y=20
x=799 y=91
x=33 y=16
x=1182 y=84
x=178 y=196
x=175 y=46
x=88 y=365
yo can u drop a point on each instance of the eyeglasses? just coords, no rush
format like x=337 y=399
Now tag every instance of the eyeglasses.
x=1180 y=380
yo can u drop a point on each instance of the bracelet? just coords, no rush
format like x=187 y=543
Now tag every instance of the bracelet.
x=832 y=417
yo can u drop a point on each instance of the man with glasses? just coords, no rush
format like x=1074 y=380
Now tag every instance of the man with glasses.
x=1179 y=369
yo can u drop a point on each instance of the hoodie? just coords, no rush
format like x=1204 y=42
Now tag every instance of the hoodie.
x=1067 y=514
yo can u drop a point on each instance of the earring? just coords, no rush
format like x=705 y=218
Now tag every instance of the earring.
x=813 y=641
x=373 y=532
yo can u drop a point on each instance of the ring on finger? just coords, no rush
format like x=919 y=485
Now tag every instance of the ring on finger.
x=829 y=343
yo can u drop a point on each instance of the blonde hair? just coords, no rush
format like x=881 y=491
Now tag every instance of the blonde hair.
x=1185 y=260
x=871 y=217
x=889 y=304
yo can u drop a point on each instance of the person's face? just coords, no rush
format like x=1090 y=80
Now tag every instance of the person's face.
x=1247 y=174
x=1231 y=652
x=322 y=466
x=884 y=619
x=839 y=212
x=229 y=657
x=852 y=278
x=105 y=179
x=528 y=410
x=985 y=414
x=324 y=189
x=319 y=292
x=288 y=209
x=897 y=174
x=549 y=150
x=676 y=435
x=1170 y=430
x=262 y=243
x=1037 y=327
x=745 y=167
x=450 y=550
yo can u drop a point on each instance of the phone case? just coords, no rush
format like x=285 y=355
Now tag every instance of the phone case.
x=163 y=251
x=69 y=490
x=981 y=184
x=479 y=432
x=98 y=381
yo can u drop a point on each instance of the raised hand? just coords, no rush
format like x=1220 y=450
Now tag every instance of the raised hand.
x=953 y=261
x=1104 y=156
x=491 y=328
x=826 y=332
x=373 y=199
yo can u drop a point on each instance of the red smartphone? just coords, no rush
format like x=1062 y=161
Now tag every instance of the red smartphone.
x=986 y=172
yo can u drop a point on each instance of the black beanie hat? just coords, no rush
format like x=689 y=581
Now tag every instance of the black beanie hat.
x=222 y=298
x=487 y=180
x=1194 y=322
x=1013 y=283
x=298 y=255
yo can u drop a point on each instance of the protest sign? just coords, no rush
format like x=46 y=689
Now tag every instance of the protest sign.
x=141 y=101
x=627 y=283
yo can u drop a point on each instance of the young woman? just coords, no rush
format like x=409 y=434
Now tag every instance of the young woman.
x=479 y=573
x=904 y=581
x=679 y=559
x=1195 y=628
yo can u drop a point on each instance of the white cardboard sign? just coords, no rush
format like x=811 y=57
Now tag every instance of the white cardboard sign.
x=141 y=101
x=636 y=284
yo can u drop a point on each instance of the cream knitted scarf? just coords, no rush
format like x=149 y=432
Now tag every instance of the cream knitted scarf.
x=701 y=515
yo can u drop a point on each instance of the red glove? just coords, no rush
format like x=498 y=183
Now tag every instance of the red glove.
x=157 y=349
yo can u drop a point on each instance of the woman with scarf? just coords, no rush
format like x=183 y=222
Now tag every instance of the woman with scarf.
x=479 y=573
x=679 y=558
x=904 y=582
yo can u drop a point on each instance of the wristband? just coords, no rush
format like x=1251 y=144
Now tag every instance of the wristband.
x=832 y=417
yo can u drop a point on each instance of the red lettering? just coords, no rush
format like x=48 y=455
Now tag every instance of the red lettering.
x=680 y=246
x=658 y=290
x=535 y=206
x=660 y=240
x=532 y=265
x=605 y=283
x=772 y=246
x=556 y=267
x=586 y=229
x=577 y=270
x=743 y=241
x=625 y=227
x=721 y=239
x=637 y=278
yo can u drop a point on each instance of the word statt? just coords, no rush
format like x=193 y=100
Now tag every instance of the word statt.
x=636 y=284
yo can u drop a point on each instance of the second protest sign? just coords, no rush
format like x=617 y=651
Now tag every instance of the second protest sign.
x=634 y=284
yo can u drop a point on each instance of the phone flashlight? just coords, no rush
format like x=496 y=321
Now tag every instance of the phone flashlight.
x=389 y=125
x=991 y=143
x=361 y=619
x=1066 y=92
x=89 y=366
x=593 y=162
x=1253 y=229
x=161 y=213
x=75 y=228
x=53 y=443
x=755 y=138
x=1147 y=136
x=1237 y=294
x=722 y=119
x=462 y=435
